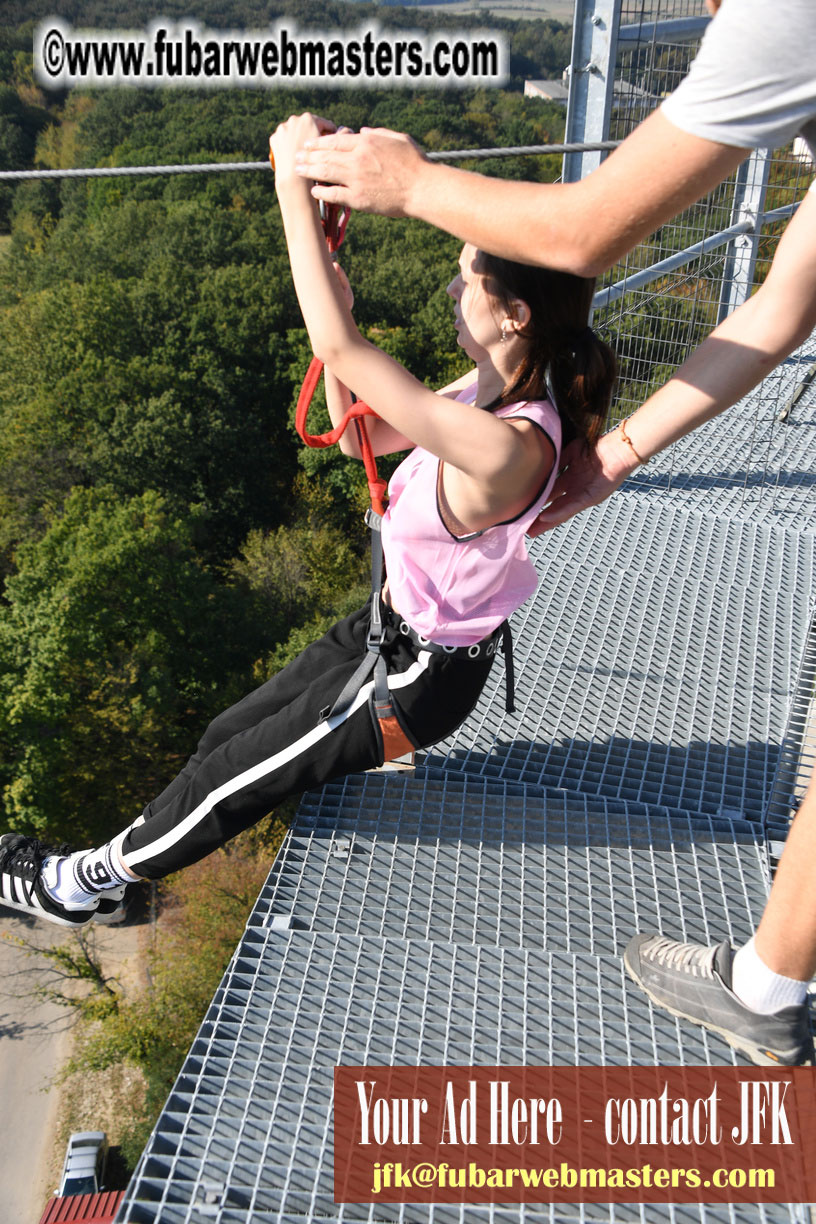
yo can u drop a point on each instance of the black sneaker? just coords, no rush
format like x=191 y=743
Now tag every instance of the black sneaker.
x=21 y=860
x=694 y=983
x=111 y=909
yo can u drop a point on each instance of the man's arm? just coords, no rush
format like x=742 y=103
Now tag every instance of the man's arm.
x=582 y=228
x=735 y=357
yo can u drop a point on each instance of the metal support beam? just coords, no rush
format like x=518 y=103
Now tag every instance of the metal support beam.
x=638 y=280
x=673 y=30
x=749 y=202
x=592 y=76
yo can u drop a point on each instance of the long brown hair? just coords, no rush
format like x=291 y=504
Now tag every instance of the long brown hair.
x=564 y=353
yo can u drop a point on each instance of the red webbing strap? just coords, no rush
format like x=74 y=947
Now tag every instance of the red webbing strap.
x=376 y=485
x=335 y=220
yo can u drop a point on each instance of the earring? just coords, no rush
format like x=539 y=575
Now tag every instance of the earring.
x=505 y=335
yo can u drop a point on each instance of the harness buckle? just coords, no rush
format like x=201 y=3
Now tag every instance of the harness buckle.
x=375 y=639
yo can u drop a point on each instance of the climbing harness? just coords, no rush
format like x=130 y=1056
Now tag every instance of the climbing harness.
x=395 y=740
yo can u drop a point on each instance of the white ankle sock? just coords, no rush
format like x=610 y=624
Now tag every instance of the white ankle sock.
x=60 y=883
x=759 y=987
x=81 y=877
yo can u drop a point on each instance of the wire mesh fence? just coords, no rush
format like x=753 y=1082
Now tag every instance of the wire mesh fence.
x=654 y=328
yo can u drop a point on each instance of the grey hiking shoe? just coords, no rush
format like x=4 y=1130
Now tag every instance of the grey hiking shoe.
x=694 y=982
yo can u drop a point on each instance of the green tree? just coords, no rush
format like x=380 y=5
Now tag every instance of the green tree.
x=174 y=380
x=20 y=124
x=115 y=645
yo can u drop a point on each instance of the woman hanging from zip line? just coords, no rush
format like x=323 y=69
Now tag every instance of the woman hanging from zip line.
x=407 y=668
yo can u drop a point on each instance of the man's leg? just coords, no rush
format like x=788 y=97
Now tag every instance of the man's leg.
x=786 y=936
x=756 y=998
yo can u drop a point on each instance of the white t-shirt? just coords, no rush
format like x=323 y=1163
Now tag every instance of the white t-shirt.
x=753 y=83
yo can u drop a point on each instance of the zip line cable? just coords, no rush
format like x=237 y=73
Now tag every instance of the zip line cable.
x=225 y=167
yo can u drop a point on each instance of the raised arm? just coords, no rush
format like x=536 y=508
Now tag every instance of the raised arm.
x=383 y=438
x=735 y=357
x=582 y=228
x=500 y=457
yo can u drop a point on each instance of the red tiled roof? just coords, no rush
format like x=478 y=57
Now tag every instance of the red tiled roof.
x=87 y=1208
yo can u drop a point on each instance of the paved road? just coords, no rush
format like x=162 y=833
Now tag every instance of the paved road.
x=34 y=1040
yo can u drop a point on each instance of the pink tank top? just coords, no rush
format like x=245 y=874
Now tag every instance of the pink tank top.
x=457 y=590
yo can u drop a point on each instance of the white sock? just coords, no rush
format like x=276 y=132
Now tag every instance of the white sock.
x=80 y=878
x=759 y=987
x=60 y=883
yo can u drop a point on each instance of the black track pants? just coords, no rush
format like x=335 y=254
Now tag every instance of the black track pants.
x=278 y=742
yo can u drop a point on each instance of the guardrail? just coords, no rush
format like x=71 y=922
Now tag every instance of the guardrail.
x=605 y=297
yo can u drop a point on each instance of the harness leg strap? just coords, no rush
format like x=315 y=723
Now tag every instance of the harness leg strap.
x=394 y=740
x=509 y=669
x=353 y=686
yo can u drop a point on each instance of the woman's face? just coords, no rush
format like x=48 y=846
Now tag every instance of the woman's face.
x=475 y=316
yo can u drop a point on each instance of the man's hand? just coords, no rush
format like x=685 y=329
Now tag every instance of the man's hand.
x=375 y=170
x=588 y=478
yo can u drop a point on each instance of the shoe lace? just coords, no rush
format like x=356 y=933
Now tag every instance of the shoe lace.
x=24 y=859
x=687 y=958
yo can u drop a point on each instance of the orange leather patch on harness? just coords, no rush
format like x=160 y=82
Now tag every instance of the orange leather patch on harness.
x=395 y=742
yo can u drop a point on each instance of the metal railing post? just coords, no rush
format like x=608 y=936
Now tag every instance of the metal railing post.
x=749 y=202
x=591 y=81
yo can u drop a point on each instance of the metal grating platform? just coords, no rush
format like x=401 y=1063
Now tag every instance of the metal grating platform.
x=630 y=533
x=246 y=1134
x=798 y=758
x=337 y=966
x=424 y=858
x=645 y=677
x=747 y=464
